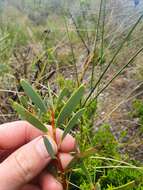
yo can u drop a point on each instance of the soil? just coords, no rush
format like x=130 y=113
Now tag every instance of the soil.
x=116 y=107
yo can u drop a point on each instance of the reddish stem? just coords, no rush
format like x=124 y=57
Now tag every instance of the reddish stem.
x=53 y=125
x=58 y=161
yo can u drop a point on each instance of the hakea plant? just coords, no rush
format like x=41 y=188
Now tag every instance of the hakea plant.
x=33 y=108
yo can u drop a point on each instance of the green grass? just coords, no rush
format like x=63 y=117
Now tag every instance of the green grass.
x=57 y=43
x=138 y=112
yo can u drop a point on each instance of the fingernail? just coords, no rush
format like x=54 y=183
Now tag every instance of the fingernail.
x=40 y=146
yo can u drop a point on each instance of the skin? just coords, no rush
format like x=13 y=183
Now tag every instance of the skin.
x=24 y=158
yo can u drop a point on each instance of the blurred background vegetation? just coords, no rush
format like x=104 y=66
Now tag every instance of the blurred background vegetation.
x=51 y=41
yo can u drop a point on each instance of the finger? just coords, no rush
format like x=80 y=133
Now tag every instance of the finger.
x=30 y=187
x=4 y=154
x=48 y=182
x=24 y=164
x=65 y=159
x=21 y=132
x=15 y=134
x=68 y=144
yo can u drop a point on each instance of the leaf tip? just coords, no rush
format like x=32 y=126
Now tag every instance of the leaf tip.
x=49 y=147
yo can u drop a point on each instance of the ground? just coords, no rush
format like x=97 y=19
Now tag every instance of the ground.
x=116 y=107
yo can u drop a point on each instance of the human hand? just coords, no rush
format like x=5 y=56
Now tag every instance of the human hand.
x=23 y=157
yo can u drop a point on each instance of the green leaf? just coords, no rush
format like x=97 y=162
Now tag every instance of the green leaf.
x=87 y=174
x=24 y=101
x=64 y=92
x=72 y=122
x=98 y=186
x=33 y=95
x=51 y=102
x=126 y=186
x=70 y=105
x=49 y=147
x=26 y=115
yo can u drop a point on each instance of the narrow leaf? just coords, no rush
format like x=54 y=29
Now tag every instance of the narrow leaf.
x=64 y=92
x=4 y=38
x=49 y=147
x=87 y=174
x=50 y=98
x=98 y=186
x=26 y=115
x=24 y=101
x=72 y=122
x=33 y=95
x=87 y=153
x=126 y=186
x=71 y=105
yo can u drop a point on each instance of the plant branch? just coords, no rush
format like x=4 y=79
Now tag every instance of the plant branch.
x=112 y=60
x=118 y=73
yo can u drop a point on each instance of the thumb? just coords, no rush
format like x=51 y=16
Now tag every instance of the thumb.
x=24 y=164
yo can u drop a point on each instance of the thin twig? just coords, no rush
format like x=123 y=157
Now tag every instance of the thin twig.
x=78 y=32
x=95 y=41
x=117 y=74
x=72 y=51
x=112 y=60
x=128 y=98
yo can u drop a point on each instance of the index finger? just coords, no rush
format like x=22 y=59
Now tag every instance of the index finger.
x=15 y=134
x=18 y=133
